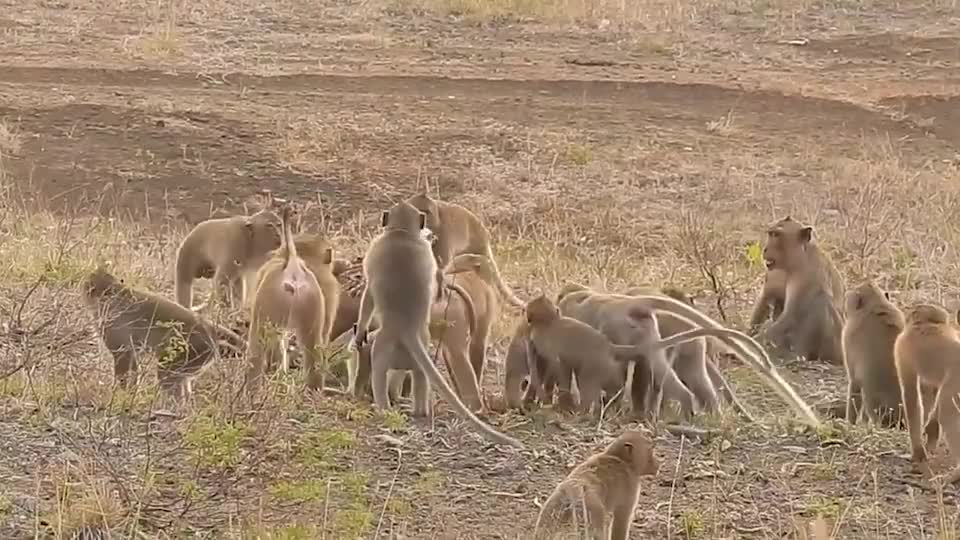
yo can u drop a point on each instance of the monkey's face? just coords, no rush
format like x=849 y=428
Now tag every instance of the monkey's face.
x=263 y=232
x=430 y=209
x=787 y=240
x=635 y=448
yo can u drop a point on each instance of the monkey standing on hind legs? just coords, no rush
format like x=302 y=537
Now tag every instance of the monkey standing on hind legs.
x=135 y=321
x=458 y=231
x=606 y=483
x=227 y=250
x=927 y=352
x=400 y=273
x=290 y=296
x=811 y=321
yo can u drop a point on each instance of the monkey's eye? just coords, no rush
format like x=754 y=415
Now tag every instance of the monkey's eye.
x=773 y=234
x=628 y=446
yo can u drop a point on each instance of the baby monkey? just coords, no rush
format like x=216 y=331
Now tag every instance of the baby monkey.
x=606 y=483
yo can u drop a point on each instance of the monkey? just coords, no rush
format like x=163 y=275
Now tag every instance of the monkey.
x=811 y=321
x=605 y=483
x=773 y=295
x=228 y=250
x=453 y=324
x=927 y=351
x=475 y=273
x=290 y=296
x=458 y=230
x=134 y=321
x=870 y=330
x=400 y=270
x=574 y=348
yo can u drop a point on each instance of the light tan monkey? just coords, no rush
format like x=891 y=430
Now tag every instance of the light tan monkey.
x=457 y=231
x=811 y=322
x=606 y=483
x=871 y=328
x=133 y=321
x=476 y=275
x=927 y=352
x=291 y=296
x=400 y=272
x=573 y=348
x=228 y=250
x=773 y=295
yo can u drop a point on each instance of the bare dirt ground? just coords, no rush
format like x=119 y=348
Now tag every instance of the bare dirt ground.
x=611 y=143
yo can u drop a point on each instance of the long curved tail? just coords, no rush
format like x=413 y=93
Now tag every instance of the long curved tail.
x=469 y=306
x=758 y=359
x=417 y=349
x=502 y=287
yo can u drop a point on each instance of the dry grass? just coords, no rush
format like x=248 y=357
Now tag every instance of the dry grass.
x=655 y=182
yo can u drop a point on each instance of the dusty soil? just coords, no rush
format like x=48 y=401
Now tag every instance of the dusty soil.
x=175 y=112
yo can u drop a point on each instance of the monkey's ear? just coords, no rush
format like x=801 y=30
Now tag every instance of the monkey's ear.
x=328 y=255
x=384 y=218
x=806 y=234
x=423 y=220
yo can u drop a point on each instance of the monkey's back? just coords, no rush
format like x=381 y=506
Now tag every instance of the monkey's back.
x=400 y=272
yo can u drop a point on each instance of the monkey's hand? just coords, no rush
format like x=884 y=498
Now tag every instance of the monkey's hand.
x=359 y=338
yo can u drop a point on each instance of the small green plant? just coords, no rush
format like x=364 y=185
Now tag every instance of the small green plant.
x=395 y=421
x=753 y=254
x=318 y=448
x=300 y=492
x=691 y=523
x=578 y=154
x=215 y=443
x=352 y=522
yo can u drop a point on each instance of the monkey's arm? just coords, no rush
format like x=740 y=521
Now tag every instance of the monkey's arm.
x=364 y=318
x=761 y=309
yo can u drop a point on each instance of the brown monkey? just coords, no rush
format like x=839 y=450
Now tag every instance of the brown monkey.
x=773 y=295
x=290 y=296
x=475 y=274
x=927 y=352
x=871 y=328
x=135 y=321
x=606 y=483
x=574 y=348
x=457 y=231
x=400 y=274
x=811 y=322
x=228 y=250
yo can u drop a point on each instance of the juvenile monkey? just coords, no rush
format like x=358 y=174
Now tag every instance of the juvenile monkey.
x=290 y=296
x=476 y=275
x=457 y=231
x=606 y=483
x=927 y=352
x=871 y=328
x=400 y=273
x=811 y=322
x=133 y=322
x=574 y=348
x=229 y=250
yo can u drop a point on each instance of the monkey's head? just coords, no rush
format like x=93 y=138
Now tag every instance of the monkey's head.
x=926 y=314
x=403 y=216
x=636 y=449
x=317 y=248
x=863 y=296
x=469 y=262
x=541 y=310
x=99 y=282
x=426 y=204
x=339 y=266
x=263 y=232
x=787 y=242
x=678 y=295
x=569 y=288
